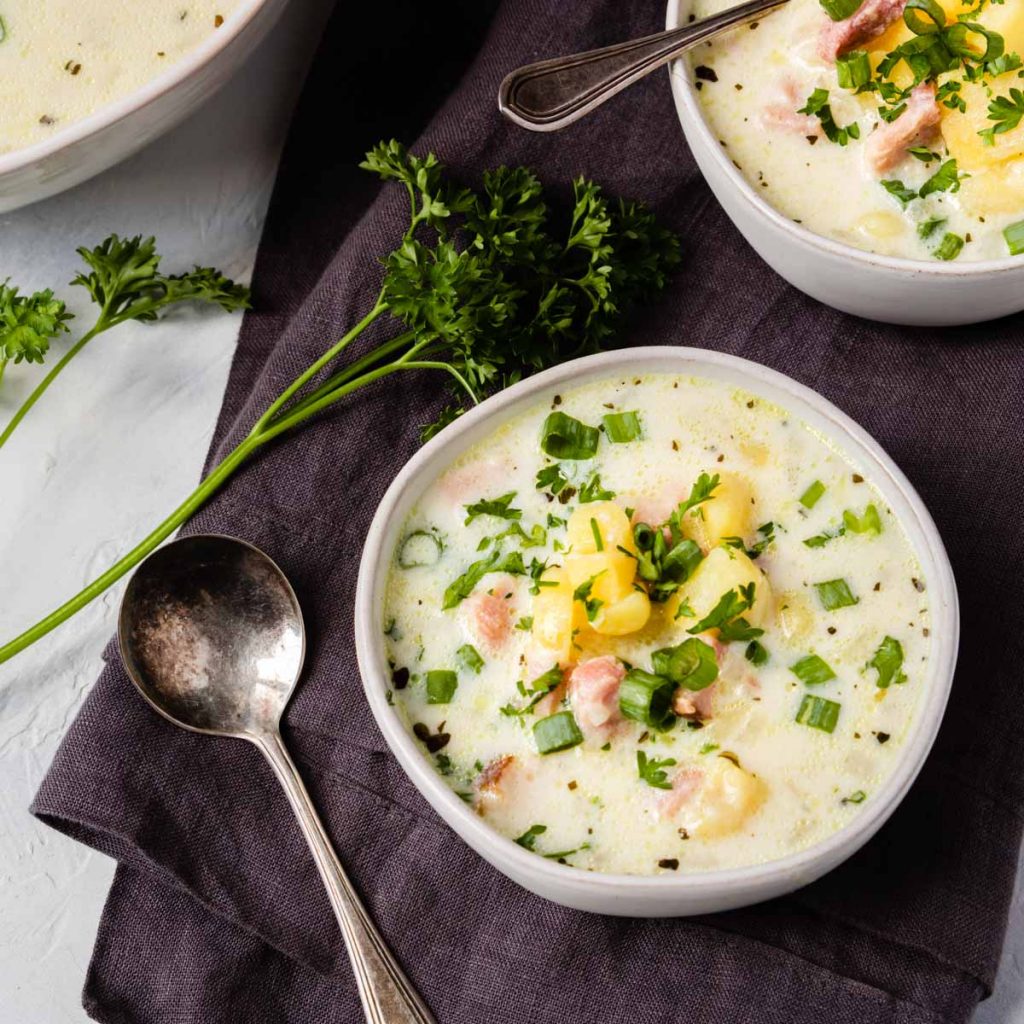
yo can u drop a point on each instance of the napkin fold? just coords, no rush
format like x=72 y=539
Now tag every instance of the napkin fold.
x=217 y=914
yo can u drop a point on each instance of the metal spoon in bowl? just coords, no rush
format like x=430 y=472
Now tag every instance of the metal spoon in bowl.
x=554 y=93
x=212 y=635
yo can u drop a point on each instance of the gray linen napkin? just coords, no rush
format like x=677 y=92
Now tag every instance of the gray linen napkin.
x=217 y=914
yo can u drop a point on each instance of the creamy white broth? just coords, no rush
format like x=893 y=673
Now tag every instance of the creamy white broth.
x=768 y=72
x=589 y=799
x=61 y=60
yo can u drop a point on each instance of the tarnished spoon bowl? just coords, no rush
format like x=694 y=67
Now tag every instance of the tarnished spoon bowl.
x=212 y=635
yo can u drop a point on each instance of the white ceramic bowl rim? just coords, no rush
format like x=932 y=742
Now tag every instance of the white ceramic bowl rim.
x=686 y=97
x=856 y=444
x=118 y=109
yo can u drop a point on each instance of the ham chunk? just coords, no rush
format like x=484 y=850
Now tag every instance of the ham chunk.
x=783 y=113
x=686 y=784
x=889 y=144
x=870 y=20
x=492 y=784
x=594 y=694
x=690 y=704
x=489 y=614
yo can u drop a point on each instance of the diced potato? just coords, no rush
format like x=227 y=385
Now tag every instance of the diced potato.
x=626 y=616
x=612 y=524
x=882 y=225
x=613 y=570
x=727 y=514
x=554 y=616
x=727 y=799
x=796 y=616
x=723 y=569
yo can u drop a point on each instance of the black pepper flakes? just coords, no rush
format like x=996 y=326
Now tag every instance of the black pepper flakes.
x=882 y=737
x=669 y=863
x=400 y=678
x=705 y=74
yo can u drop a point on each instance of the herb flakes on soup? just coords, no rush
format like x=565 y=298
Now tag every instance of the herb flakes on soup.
x=911 y=114
x=657 y=625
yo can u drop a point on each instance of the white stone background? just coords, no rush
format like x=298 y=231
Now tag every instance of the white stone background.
x=133 y=418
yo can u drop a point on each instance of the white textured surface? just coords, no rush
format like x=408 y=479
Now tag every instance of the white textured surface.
x=137 y=409
x=131 y=416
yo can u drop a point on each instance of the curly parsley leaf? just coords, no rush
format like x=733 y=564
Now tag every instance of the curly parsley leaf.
x=28 y=323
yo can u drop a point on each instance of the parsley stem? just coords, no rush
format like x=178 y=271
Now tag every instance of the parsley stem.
x=3 y=366
x=312 y=370
x=97 y=328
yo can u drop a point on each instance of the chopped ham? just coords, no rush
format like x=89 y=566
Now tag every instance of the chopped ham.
x=550 y=703
x=869 y=21
x=686 y=783
x=489 y=613
x=594 y=693
x=889 y=144
x=475 y=481
x=690 y=704
x=488 y=784
x=784 y=112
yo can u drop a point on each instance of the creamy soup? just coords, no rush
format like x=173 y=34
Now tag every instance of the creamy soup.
x=866 y=132
x=61 y=60
x=657 y=625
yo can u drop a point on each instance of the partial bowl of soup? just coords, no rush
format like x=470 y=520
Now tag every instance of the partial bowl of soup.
x=871 y=151
x=657 y=632
x=84 y=84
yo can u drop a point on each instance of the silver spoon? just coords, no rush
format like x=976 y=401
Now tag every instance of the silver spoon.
x=212 y=635
x=554 y=93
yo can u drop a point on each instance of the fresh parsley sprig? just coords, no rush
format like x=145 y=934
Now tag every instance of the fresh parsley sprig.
x=124 y=280
x=484 y=285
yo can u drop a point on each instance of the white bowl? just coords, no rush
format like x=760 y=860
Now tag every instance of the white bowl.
x=677 y=895
x=121 y=128
x=877 y=287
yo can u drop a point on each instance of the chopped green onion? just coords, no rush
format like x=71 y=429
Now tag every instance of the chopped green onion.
x=888 y=662
x=756 y=653
x=529 y=837
x=1014 y=236
x=854 y=69
x=812 y=670
x=811 y=496
x=557 y=732
x=958 y=37
x=470 y=657
x=563 y=437
x=928 y=228
x=441 y=686
x=691 y=664
x=840 y=10
x=869 y=522
x=899 y=191
x=835 y=594
x=855 y=798
x=622 y=427
x=595 y=529
x=420 y=548
x=935 y=20
x=647 y=698
x=949 y=248
x=679 y=563
x=818 y=713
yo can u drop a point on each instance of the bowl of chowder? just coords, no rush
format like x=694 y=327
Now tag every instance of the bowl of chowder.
x=657 y=632
x=871 y=151
x=85 y=83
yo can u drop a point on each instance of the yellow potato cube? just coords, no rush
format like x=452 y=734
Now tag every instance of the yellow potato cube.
x=796 y=616
x=723 y=569
x=727 y=799
x=625 y=616
x=727 y=514
x=612 y=524
x=554 y=616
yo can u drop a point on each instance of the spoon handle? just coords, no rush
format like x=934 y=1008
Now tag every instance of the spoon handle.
x=386 y=993
x=551 y=94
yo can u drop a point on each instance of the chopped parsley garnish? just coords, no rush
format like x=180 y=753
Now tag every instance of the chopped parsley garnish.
x=470 y=658
x=1006 y=112
x=652 y=771
x=818 y=105
x=459 y=589
x=899 y=191
x=591 y=605
x=812 y=670
x=592 y=490
x=927 y=228
x=622 y=427
x=766 y=533
x=563 y=437
x=756 y=653
x=840 y=10
x=702 y=491
x=498 y=507
x=855 y=798
x=888 y=662
x=529 y=837
x=551 y=478
x=726 y=616
x=536 y=692
x=818 y=713
x=835 y=594
x=946 y=179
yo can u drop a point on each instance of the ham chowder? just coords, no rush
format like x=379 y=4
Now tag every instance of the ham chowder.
x=892 y=126
x=657 y=625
